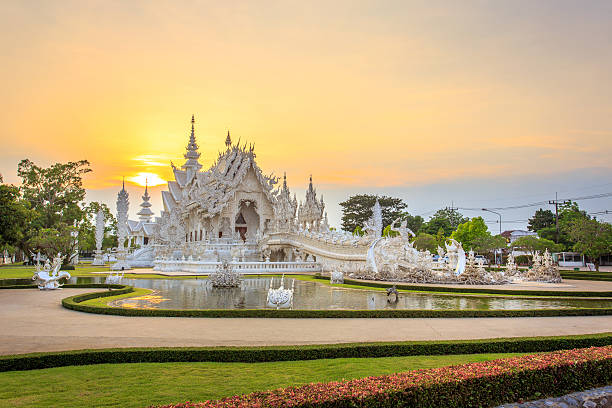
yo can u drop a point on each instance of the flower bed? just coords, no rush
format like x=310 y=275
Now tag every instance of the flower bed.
x=470 y=385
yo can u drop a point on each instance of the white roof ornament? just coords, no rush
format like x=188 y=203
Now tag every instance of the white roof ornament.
x=145 y=213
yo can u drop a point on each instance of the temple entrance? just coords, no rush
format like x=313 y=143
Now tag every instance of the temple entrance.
x=241 y=226
x=247 y=220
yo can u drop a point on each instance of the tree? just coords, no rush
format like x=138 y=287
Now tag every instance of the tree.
x=541 y=219
x=414 y=222
x=15 y=216
x=425 y=241
x=568 y=212
x=56 y=194
x=387 y=232
x=358 y=209
x=531 y=244
x=486 y=244
x=447 y=219
x=593 y=238
x=470 y=232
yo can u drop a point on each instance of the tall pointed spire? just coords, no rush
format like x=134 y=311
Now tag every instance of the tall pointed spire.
x=145 y=213
x=192 y=154
x=228 y=140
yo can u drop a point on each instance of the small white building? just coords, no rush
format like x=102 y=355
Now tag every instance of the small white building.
x=513 y=235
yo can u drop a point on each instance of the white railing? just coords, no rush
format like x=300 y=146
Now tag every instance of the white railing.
x=205 y=267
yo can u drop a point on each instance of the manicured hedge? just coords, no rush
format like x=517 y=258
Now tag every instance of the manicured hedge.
x=468 y=289
x=293 y=353
x=75 y=303
x=481 y=384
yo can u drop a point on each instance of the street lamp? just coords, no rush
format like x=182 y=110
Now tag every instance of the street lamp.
x=500 y=229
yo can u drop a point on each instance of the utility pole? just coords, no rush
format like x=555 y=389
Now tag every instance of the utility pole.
x=556 y=203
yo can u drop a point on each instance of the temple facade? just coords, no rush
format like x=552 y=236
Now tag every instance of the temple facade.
x=208 y=213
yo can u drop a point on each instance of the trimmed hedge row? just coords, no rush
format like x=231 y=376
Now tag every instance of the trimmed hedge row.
x=467 y=289
x=75 y=303
x=481 y=384
x=294 y=353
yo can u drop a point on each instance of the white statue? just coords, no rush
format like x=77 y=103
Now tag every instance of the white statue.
x=99 y=238
x=122 y=228
x=281 y=297
x=403 y=230
x=337 y=277
x=225 y=276
x=48 y=277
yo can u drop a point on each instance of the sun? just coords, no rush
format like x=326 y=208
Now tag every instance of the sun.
x=150 y=179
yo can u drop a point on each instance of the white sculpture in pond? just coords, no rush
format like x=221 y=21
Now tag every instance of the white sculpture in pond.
x=48 y=277
x=225 y=276
x=337 y=277
x=114 y=278
x=99 y=237
x=281 y=297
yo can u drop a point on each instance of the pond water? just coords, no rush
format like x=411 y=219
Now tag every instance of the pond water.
x=198 y=294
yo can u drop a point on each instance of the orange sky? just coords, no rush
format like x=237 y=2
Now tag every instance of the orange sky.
x=363 y=95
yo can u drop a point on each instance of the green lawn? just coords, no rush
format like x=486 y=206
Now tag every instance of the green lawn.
x=141 y=385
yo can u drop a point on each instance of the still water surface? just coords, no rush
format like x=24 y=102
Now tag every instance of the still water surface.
x=198 y=294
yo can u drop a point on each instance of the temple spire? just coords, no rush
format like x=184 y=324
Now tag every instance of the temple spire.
x=228 y=140
x=192 y=154
x=145 y=213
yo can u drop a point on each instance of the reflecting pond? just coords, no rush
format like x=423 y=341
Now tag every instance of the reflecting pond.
x=198 y=294
x=252 y=293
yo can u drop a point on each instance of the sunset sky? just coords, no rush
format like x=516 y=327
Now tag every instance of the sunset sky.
x=478 y=103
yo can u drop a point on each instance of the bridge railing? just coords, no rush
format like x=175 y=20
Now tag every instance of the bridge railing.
x=206 y=267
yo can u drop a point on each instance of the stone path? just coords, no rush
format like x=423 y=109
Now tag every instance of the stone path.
x=33 y=320
x=596 y=397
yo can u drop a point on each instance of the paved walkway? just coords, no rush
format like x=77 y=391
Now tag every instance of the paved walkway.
x=33 y=320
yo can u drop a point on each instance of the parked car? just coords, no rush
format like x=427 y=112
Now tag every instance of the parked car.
x=485 y=261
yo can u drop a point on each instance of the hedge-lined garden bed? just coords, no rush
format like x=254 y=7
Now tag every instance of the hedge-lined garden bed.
x=482 y=384
x=467 y=289
x=76 y=303
x=294 y=353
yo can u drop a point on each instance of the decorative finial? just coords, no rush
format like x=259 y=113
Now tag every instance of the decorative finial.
x=123 y=182
x=228 y=140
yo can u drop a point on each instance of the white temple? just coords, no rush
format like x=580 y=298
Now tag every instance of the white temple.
x=233 y=212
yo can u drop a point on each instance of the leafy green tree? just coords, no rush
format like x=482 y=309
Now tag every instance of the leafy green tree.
x=56 y=194
x=425 y=241
x=387 y=232
x=447 y=219
x=358 y=231
x=593 y=238
x=358 y=209
x=532 y=244
x=414 y=222
x=15 y=216
x=486 y=244
x=568 y=212
x=541 y=219
x=469 y=232
x=440 y=237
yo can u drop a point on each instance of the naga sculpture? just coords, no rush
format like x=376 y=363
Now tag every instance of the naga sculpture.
x=48 y=277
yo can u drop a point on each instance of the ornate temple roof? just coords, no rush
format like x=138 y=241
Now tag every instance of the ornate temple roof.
x=211 y=190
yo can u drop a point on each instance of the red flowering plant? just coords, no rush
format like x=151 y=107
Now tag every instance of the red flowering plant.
x=480 y=384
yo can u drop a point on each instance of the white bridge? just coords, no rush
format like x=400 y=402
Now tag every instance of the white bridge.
x=245 y=268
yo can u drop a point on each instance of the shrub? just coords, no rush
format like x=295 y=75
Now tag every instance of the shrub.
x=470 y=385
x=294 y=353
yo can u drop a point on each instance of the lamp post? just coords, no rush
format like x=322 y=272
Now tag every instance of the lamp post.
x=500 y=228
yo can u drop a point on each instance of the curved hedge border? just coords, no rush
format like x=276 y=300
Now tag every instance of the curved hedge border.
x=466 y=289
x=75 y=303
x=482 y=384
x=293 y=353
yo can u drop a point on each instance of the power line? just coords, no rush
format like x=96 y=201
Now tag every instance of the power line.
x=539 y=203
